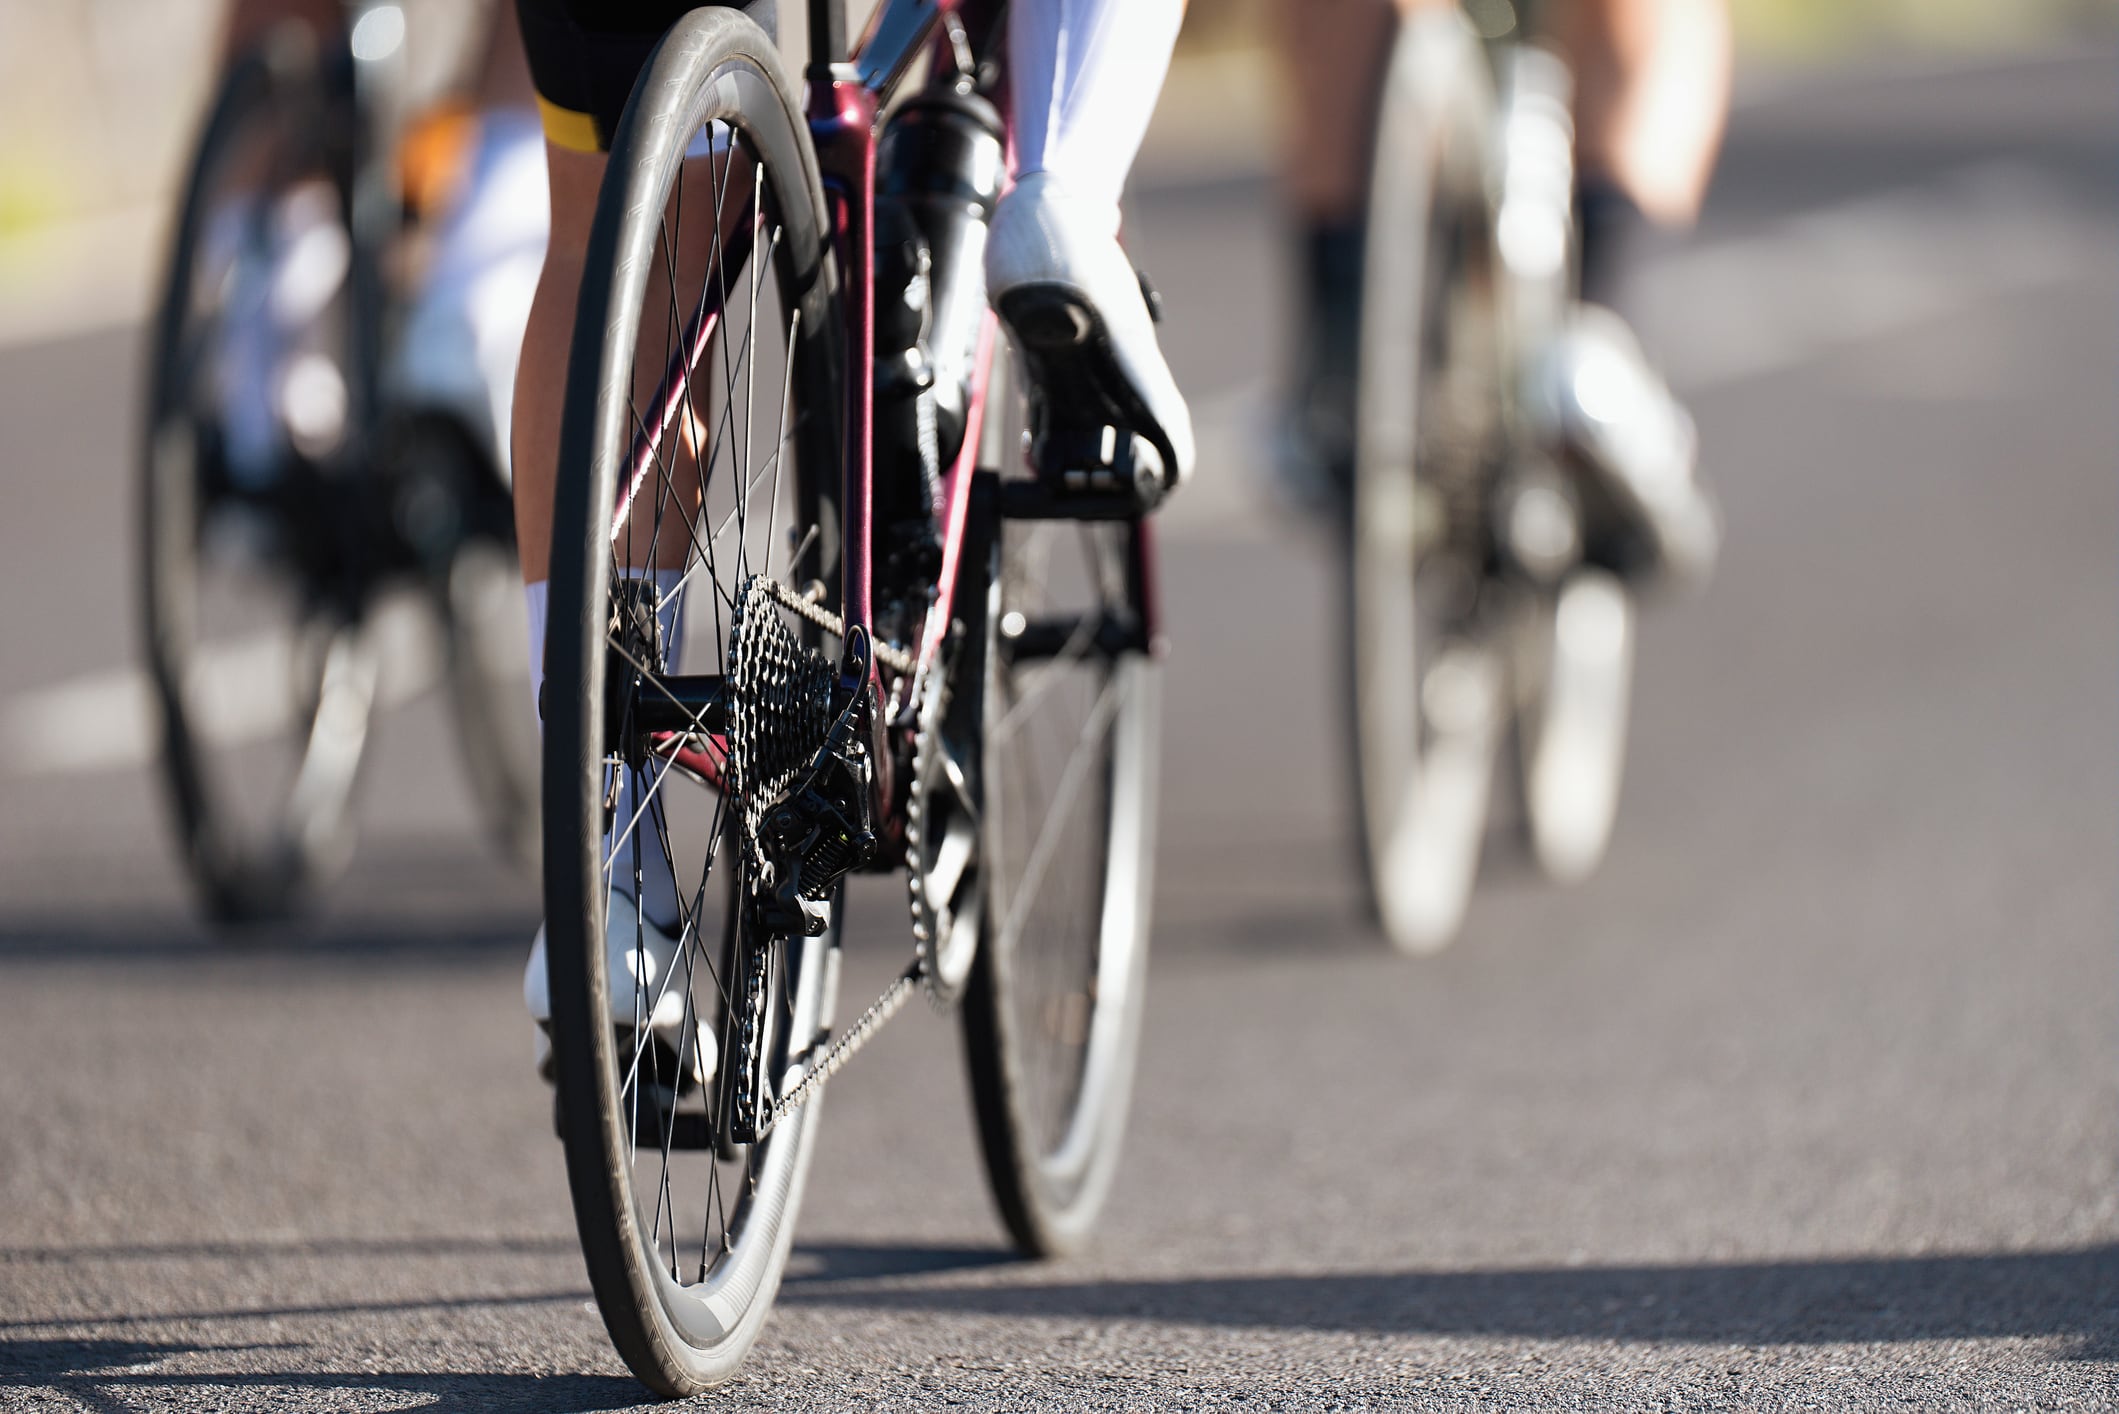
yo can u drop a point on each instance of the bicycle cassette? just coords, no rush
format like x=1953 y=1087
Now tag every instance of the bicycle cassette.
x=798 y=752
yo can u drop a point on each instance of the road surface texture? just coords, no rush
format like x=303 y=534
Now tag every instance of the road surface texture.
x=1808 y=1099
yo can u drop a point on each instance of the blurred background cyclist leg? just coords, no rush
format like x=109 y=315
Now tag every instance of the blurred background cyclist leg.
x=474 y=179
x=1651 y=98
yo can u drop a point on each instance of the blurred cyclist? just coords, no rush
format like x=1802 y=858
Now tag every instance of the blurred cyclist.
x=474 y=169
x=1651 y=99
x=1084 y=76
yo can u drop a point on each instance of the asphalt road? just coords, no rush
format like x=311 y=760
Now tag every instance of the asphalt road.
x=1809 y=1098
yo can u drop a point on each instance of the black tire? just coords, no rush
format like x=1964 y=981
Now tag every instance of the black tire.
x=1052 y=1011
x=496 y=725
x=453 y=513
x=679 y=1336
x=283 y=122
x=1426 y=682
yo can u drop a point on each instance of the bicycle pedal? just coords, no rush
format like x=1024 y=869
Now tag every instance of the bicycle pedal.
x=1077 y=465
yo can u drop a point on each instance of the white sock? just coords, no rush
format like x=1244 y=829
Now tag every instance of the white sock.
x=537 y=599
x=1086 y=75
x=658 y=887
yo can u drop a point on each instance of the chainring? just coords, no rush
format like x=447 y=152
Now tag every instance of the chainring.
x=943 y=881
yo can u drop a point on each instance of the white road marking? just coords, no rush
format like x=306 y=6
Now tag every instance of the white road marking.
x=240 y=692
x=1864 y=270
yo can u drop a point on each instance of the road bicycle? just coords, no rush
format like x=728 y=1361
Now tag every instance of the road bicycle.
x=1474 y=613
x=919 y=612
x=297 y=510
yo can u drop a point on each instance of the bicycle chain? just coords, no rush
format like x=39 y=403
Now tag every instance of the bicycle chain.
x=842 y=1048
x=807 y=606
x=927 y=756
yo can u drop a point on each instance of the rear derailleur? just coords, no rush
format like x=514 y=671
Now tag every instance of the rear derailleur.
x=824 y=826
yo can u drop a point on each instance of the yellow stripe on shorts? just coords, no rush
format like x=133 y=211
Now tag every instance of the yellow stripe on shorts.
x=563 y=127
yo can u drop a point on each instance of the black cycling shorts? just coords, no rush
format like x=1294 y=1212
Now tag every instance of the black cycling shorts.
x=584 y=56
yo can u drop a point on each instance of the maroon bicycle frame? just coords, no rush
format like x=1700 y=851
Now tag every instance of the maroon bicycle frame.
x=845 y=92
x=844 y=101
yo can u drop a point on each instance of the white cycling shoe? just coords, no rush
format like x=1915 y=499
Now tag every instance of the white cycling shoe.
x=639 y=957
x=1599 y=396
x=1057 y=276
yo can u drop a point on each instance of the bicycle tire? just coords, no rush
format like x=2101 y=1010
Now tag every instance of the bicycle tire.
x=289 y=90
x=441 y=474
x=1052 y=1010
x=1574 y=669
x=714 y=66
x=1424 y=677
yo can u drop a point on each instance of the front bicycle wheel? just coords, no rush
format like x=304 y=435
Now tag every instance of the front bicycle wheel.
x=1427 y=686
x=255 y=587
x=1069 y=766
x=698 y=458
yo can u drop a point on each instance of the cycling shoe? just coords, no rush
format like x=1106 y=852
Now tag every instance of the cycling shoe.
x=1107 y=418
x=1650 y=516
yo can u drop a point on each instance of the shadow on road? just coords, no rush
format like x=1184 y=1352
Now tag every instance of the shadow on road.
x=114 y=1373
x=2070 y=1294
x=270 y=1248
x=282 y=1311
x=860 y=1261
x=148 y=937
x=108 y=1376
x=119 y=1374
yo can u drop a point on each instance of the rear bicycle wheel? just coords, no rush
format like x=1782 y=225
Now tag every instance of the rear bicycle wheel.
x=1426 y=683
x=255 y=587
x=704 y=356
x=1068 y=764
x=1574 y=674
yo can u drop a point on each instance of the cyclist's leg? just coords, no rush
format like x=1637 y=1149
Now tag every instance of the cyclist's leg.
x=1085 y=75
x=1333 y=55
x=583 y=59
x=575 y=177
x=1651 y=98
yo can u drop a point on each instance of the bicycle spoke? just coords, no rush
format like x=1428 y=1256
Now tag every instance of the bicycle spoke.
x=1079 y=764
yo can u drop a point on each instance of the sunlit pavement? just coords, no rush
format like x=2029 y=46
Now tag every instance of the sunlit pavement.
x=1809 y=1097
